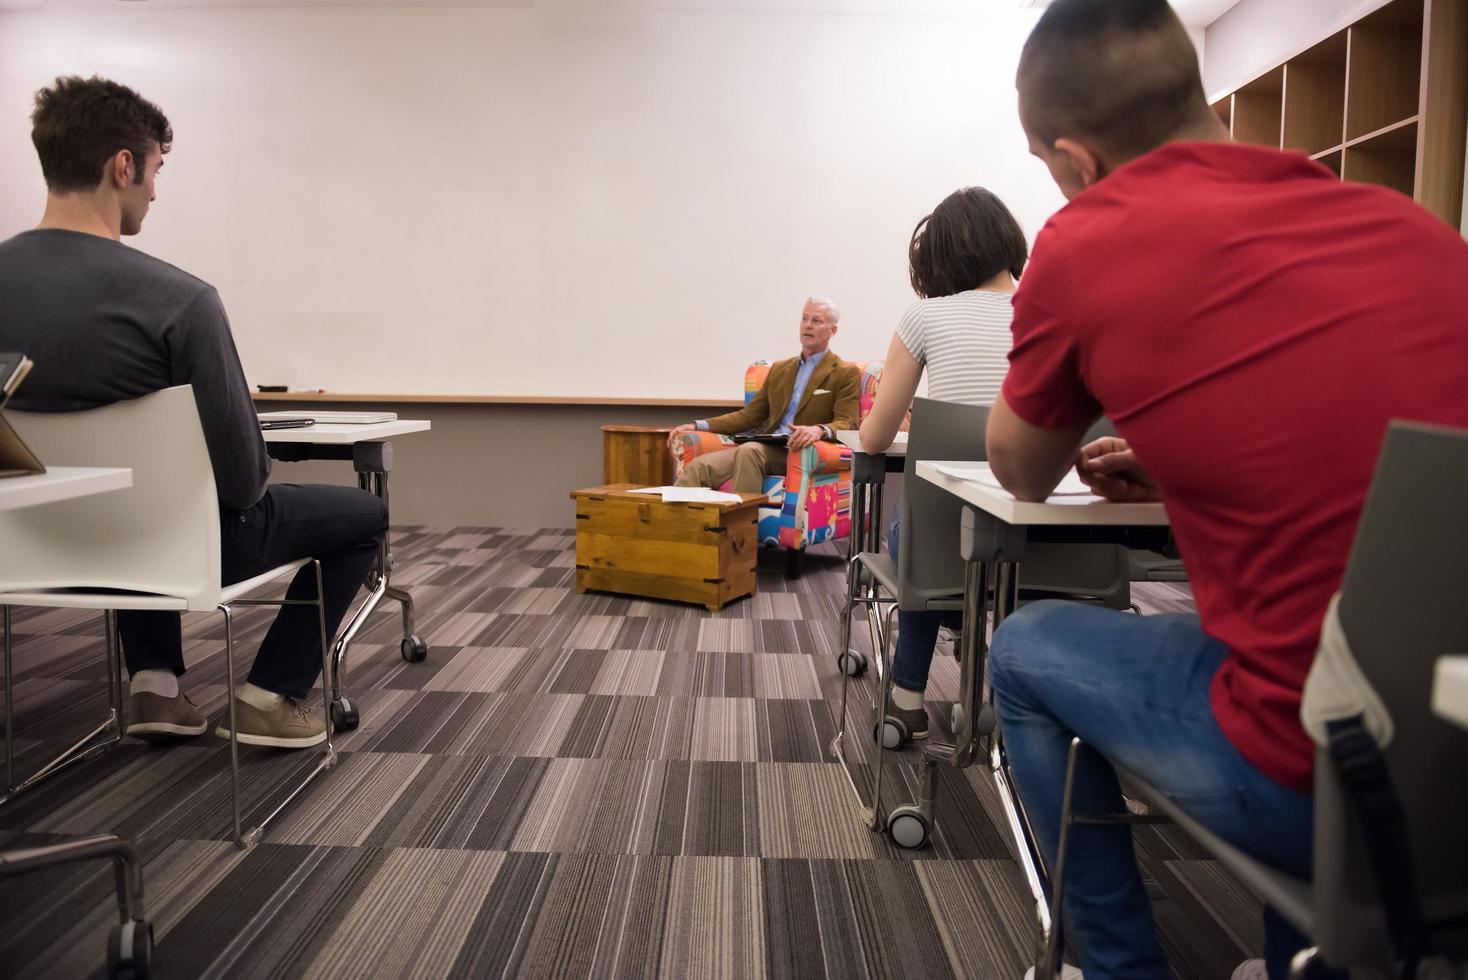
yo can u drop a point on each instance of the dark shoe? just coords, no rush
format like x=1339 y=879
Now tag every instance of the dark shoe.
x=288 y=725
x=156 y=718
x=915 y=719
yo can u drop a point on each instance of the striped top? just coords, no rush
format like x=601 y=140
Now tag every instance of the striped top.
x=963 y=341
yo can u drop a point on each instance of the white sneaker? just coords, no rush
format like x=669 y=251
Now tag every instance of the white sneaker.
x=1067 y=972
x=1250 y=970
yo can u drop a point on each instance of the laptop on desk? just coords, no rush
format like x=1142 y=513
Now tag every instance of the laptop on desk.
x=16 y=458
x=327 y=418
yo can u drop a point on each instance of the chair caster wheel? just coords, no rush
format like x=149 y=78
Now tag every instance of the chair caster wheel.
x=909 y=828
x=130 y=949
x=344 y=715
x=958 y=718
x=414 y=650
x=852 y=663
x=892 y=733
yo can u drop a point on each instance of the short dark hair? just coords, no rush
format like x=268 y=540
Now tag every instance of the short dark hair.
x=1121 y=72
x=968 y=239
x=79 y=124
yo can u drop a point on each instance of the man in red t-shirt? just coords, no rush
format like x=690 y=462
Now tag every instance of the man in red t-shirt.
x=1250 y=324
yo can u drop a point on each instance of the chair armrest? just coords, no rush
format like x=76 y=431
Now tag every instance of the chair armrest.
x=691 y=445
x=819 y=459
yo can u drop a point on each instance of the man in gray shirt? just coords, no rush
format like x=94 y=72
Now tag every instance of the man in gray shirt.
x=105 y=323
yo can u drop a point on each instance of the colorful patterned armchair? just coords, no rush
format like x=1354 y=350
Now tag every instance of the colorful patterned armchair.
x=811 y=503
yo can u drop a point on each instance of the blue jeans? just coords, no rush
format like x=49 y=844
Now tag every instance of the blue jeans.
x=1135 y=689
x=917 y=636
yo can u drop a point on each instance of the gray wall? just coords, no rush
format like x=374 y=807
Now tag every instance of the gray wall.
x=499 y=465
x=490 y=465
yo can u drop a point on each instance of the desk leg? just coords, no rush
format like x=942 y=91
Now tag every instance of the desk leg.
x=1026 y=845
x=857 y=539
x=851 y=662
x=875 y=526
x=344 y=713
x=413 y=649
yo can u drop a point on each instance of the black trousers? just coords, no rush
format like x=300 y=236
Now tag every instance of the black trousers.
x=343 y=527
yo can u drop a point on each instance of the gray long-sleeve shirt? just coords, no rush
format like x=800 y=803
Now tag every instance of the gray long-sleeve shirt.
x=105 y=323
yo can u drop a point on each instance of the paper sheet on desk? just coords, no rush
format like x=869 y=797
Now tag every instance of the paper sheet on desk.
x=1071 y=486
x=691 y=495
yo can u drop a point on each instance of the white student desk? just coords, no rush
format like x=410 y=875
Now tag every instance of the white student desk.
x=61 y=483
x=368 y=448
x=993 y=535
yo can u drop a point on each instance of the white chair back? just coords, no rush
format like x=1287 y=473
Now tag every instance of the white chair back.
x=161 y=535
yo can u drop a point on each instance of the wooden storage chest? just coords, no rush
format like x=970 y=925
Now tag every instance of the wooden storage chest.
x=635 y=544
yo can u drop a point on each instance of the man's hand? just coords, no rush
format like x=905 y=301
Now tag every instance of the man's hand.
x=1110 y=469
x=676 y=434
x=805 y=435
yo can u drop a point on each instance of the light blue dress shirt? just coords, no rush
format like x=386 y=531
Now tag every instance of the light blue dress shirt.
x=802 y=378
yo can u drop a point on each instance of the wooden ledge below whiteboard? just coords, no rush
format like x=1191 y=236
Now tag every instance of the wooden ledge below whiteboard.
x=331 y=396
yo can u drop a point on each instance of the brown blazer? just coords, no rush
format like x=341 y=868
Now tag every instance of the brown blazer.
x=832 y=398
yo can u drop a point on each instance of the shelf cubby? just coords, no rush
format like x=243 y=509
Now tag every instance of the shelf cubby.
x=1440 y=154
x=1384 y=68
x=1315 y=97
x=1383 y=101
x=1224 y=108
x=1387 y=157
x=1259 y=108
x=1329 y=158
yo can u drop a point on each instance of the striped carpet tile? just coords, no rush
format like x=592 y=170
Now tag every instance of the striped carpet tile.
x=573 y=785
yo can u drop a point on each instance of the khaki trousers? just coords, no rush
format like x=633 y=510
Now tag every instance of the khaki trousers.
x=747 y=465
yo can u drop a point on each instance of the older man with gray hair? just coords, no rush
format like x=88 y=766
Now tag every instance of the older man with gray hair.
x=804 y=399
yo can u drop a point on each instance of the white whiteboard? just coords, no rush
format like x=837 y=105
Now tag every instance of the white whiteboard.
x=462 y=201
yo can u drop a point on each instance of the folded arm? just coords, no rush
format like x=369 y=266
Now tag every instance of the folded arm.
x=1027 y=460
x=751 y=416
x=900 y=375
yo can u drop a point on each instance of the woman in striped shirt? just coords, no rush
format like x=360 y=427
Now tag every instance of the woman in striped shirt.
x=963 y=261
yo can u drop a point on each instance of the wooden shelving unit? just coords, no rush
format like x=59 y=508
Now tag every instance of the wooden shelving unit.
x=1259 y=109
x=1225 y=109
x=1330 y=159
x=1384 y=77
x=1387 y=157
x=1315 y=97
x=1384 y=101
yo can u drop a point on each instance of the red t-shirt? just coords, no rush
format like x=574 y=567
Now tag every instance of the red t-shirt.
x=1250 y=324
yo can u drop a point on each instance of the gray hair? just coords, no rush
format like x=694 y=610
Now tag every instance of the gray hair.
x=831 y=309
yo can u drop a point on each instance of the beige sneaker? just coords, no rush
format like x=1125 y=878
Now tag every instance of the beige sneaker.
x=1067 y=972
x=156 y=718
x=289 y=725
